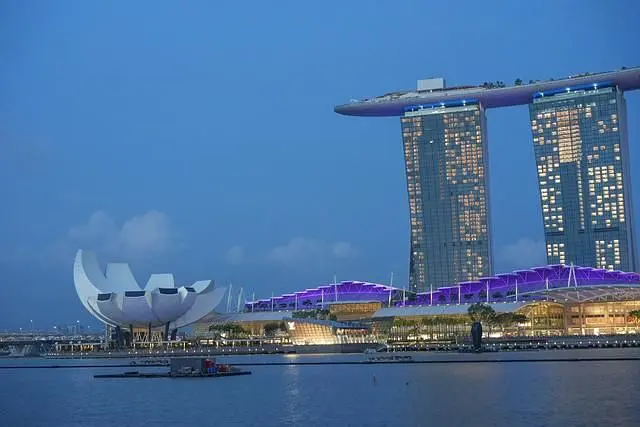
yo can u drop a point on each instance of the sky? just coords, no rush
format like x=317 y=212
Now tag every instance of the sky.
x=199 y=138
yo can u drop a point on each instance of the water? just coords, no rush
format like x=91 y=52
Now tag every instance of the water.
x=481 y=394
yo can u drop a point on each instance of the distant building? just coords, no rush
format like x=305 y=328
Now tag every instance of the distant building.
x=582 y=155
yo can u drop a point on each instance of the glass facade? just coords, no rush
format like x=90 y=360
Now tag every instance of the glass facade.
x=447 y=182
x=581 y=150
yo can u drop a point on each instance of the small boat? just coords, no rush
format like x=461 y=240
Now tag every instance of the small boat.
x=388 y=358
x=150 y=362
x=185 y=367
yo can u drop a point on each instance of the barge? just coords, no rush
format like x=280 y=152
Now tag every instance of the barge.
x=185 y=367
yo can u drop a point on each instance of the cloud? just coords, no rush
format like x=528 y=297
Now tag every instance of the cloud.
x=525 y=253
x=301 y=249
x=141 y=236
x=343 y=250
x=235 y=255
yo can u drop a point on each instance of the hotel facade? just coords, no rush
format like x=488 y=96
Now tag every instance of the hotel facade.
x=580 y=140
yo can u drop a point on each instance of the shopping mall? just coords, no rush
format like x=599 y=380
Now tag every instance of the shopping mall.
x=554 y=300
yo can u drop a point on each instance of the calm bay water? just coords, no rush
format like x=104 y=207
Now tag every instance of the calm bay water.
x=470 y=394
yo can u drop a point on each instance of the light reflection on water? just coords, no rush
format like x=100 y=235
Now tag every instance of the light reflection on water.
x=505 y=394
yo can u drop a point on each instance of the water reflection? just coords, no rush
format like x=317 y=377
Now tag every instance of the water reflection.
x=291 y=395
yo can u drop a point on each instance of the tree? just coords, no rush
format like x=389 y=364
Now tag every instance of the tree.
x=270 y=329
x=634 y=315
x=518 y=82
x=232 y=330
x=481 y=312
x=507 y=320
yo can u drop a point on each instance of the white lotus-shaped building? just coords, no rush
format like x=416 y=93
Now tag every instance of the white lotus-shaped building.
x=116 y=299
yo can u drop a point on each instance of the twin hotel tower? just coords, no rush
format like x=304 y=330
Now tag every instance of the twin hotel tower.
x=580 y=141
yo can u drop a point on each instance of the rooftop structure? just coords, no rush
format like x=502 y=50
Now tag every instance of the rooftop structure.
x=397 y=103
x=116 y=299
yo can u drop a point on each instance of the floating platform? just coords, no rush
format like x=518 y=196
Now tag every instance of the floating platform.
x=172 y=375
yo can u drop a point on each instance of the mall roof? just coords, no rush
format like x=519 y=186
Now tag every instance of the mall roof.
x=395 y=104
x=534 y=283
x=345 y=291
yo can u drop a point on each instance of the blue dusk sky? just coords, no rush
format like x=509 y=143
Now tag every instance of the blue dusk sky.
x=199 y=137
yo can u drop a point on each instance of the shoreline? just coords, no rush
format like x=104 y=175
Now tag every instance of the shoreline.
x=417 y=357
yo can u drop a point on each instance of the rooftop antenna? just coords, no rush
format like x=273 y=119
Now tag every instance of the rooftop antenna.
x=229 y=297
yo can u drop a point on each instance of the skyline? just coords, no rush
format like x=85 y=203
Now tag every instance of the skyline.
x=134 y=141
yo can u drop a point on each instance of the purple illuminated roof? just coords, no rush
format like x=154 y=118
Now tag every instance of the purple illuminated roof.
x=324 y=295
x=529 y=284
x=503 y=287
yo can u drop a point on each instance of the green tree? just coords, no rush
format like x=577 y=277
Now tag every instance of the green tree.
x=232 y=330
x=518 y=82
x=507 y=320
x=481 y=312
x=634 y=315
x=270 y=329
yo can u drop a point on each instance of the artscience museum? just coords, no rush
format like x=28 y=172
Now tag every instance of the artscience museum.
x=116 y=299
